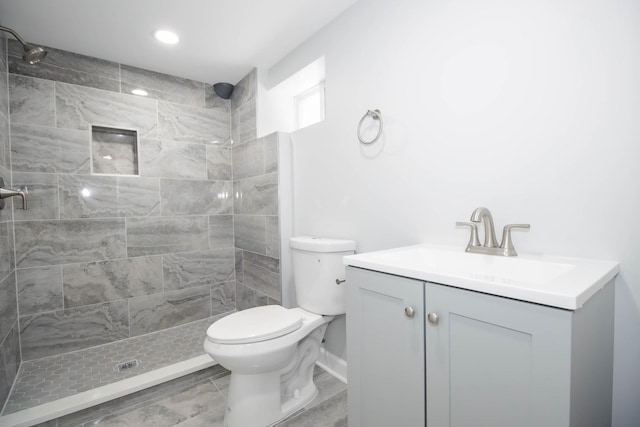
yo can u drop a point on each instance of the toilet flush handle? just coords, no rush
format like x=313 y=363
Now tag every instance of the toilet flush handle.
x=338 y=281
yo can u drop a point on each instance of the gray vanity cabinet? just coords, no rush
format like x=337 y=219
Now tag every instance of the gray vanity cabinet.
x=488 y=360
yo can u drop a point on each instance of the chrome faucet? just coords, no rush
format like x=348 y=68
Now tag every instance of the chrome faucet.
x=489 y=247
x=5 y=193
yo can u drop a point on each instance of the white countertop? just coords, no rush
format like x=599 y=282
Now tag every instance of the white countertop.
x=562 y=282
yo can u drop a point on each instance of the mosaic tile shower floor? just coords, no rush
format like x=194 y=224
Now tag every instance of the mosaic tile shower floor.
x=51 y=378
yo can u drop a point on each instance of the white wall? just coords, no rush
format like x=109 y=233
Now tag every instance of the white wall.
x=529 y=108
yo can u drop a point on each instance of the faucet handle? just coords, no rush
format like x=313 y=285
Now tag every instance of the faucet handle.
x=507 y=242
x=473 y=239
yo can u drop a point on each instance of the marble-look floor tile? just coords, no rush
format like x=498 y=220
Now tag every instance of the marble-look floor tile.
x=330 y=413
x=93 y=283
x=32 y=101
x=162 y=87
x=155 y=235
x=186 y=123
x=62 y=331
x=41 y=243
x=42 y=196
x=172 y=159
x=50 y=150
x=221 y=231
x=160 y=311
x=191 y=197
x=39 y=289
x=191 y=269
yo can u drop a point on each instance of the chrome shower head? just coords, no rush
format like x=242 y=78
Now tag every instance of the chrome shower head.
x=32 y=53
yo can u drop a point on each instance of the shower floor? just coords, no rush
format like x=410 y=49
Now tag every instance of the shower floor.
x=48 y=379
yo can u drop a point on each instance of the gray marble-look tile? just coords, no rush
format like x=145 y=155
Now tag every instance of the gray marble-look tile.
x=7 y=255
x=39 y=289
x=223 y=298
x=41 y=243
x=151 y=236
x=248 y=298
x=219 y=163
x=163 y=87
x=262 y=273
x=221 y=231
x=212 y=100
x=4 y=69
x=191 y=197
x=9 y=361
x=243 y=123
x=8 y=305
x=248 y=159
x=330 y=413
x=160 y=311
x=42 y=196
x=192 y=269
x=138 y=196
x=88 y=196
x=68 y=67
x=273 y=237
x=32 y=101
x=105 y=281
x=245 y=90
x=80 y=107
x=114 y=151
x=271 y=153
x=186 y=123
x=172 y=159
x=239 y=258
x=51 y=150
x=257 y=195
x=250 y=233
x=62 y=331
x=5 y=145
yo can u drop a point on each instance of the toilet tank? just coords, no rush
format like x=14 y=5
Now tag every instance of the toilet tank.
x=317 y=265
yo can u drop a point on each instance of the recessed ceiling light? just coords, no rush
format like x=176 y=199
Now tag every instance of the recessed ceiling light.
x=139 y=92
x=167 y=37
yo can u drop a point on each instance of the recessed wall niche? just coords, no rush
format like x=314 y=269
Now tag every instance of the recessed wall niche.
x=114 y=151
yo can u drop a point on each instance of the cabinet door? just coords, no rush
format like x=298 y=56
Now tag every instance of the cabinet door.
x=493 y=361
x=385 y=350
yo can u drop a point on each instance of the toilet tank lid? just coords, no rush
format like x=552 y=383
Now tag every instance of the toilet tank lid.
x=322 y=244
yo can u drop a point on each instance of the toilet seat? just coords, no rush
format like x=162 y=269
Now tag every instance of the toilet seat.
x=255 y=325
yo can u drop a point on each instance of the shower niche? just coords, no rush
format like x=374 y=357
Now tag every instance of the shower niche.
x=114 y=151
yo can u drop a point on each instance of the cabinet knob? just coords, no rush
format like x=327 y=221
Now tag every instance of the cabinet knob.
x=432 y=318
x=409 y=312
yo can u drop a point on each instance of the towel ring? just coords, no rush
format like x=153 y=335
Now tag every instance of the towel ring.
x=375 y=115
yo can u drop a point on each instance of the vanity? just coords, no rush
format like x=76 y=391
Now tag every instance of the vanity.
x=437 y=336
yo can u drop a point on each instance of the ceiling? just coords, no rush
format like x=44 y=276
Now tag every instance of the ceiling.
x=220 y=40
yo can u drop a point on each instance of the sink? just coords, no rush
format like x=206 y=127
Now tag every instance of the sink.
x=561 y=282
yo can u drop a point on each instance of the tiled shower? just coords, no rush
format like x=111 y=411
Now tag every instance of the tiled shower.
x=103 y=257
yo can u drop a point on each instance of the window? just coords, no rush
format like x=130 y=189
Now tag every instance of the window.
x=309 y=106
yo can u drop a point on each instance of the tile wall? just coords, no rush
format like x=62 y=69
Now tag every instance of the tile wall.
x=103 y=257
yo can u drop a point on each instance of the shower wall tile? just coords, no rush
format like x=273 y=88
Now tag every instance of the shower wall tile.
x=4 y=142
x=262 y=274
x=152 y=236
x=172 y=159
x=248 y=159
x=80 y=107
x=257 y=195
x=67 y=67
x=6 y=248
x=192 y=269
x=42 y=196
x=160 y=311
x=4 y=69
x=41 y=243
x=243 y=123
x=251 y=233
x=271 y=153
x=239 y=258
x=219 y=163
x=186 y=123
x=273 y=237
x=39 y=289
x=221 y=231
x=49 y=150
x=212 y=100
x=245 y=90
x=9 y=361
x=223 y=298
x=88 y=196
x=248 y=298
x=190 y=197
x=62 y=331
x=32 y=101
x=138 y=196
x=93 y=283
x=162 y=87
x=8 y=307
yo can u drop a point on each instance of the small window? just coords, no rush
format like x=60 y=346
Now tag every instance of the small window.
x=309 y=106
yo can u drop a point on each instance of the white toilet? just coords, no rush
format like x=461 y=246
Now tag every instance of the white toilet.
x=271 y=350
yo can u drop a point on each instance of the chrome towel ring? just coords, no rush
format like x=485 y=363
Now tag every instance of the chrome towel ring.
x=375 y=115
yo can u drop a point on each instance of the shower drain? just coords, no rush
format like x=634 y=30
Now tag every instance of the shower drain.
x=129 y=364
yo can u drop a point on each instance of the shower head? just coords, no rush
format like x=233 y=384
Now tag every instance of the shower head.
x=223 y=90
x=32 y=53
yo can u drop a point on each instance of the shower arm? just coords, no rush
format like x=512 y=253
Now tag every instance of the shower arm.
x=14 y=34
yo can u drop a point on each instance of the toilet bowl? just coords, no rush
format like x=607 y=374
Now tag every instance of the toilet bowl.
x=271 y=350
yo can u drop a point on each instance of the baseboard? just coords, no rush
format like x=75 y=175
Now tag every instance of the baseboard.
x=67 y=405
x=334 y=365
